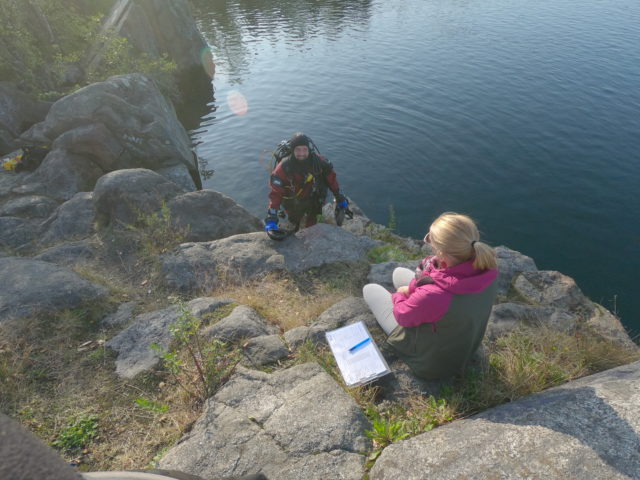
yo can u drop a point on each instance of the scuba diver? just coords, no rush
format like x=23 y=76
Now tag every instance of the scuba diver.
x=299 y=184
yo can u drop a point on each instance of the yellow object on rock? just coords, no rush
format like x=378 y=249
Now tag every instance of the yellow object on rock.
x=11 y=163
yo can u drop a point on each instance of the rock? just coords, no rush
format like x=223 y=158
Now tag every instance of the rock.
x=160 y=27
x=347 y=311
x=17 y=233
x=550 y=288
x=583 y=429
x=296 y=423
x=401 y=384
x=603 y=322
x=297 y=336
x=243 y=322
x=18 y=112
x=210 y=215
x=121 y=197
x=381 y=273
x=25 y=456
x=510 y=263
x=264 y=350
x=123 y=122
x=507 y=317
x=195 y=266
x=68 y=254
x=30 y=287
x=134 y=343
x=30 y=207
x=73 y=219
x=358 y=225
x=122 y=316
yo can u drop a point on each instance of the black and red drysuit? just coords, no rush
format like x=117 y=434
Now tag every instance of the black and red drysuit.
x=300 y=186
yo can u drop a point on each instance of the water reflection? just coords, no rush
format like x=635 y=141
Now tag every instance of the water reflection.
x=236 y=29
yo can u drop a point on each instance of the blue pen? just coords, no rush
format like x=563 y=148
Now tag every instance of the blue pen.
x=360 y=344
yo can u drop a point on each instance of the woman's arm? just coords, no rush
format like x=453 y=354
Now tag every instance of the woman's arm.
x=426 y=304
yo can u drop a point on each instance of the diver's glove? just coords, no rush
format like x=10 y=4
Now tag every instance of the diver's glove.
x=342 y=209
x=341 y=201
x=271 y=222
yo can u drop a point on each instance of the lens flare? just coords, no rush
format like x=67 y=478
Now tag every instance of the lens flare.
x=206 y=57
x=237 y=103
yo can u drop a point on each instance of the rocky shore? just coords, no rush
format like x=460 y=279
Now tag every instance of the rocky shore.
x=117 y=156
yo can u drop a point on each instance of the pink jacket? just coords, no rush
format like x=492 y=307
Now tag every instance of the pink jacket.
x=428 y=303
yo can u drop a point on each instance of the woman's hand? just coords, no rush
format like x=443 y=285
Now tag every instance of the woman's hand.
x=404 y=290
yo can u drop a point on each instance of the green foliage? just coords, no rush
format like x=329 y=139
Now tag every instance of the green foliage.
x=119 y=58
x=39 y=39
x=388 y=253
x=198 y=368
x=398 y=422
x=151 y=405
x=77 y=434
x=157 y=232
x=386 y=432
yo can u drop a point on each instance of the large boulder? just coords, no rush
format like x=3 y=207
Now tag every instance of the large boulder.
x=293 y=424
x=123 y=122
x=73 y=219
x=583 y=429
x=30 y=287
x=121 y=197
x=553 y=289
x=208 y=215
x=195 y=266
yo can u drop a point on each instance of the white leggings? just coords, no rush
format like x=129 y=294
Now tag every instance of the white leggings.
x=379 y=299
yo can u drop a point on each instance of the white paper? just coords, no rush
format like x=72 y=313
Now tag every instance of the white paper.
x=364 y=364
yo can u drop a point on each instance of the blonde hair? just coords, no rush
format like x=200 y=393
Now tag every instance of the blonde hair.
x=457 y=236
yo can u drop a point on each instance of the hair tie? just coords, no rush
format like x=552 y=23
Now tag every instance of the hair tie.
x=473 y=242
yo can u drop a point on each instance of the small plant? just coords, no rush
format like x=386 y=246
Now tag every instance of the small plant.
x=158 y=233
x=77 y=434
x=199 y=369
x=151 y=405
x=393 y=219
x=386 y=429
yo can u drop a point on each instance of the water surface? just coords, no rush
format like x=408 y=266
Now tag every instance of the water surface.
x=523 y=114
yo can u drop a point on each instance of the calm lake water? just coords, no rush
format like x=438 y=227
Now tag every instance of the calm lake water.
x=524 y=114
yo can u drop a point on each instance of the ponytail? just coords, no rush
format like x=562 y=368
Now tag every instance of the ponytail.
x=485 y=256
x=457 y=236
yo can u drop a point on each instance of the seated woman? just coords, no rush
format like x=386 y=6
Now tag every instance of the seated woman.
x=437 y=318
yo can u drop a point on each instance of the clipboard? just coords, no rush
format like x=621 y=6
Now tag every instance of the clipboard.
x=359 y=365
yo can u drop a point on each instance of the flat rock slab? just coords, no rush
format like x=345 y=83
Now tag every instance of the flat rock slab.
x=584 y=429
x=293 y=424
x=29 y=287
x=200 y=266
x=133 y=344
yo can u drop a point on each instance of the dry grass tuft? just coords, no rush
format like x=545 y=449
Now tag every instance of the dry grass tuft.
x=282 y=300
